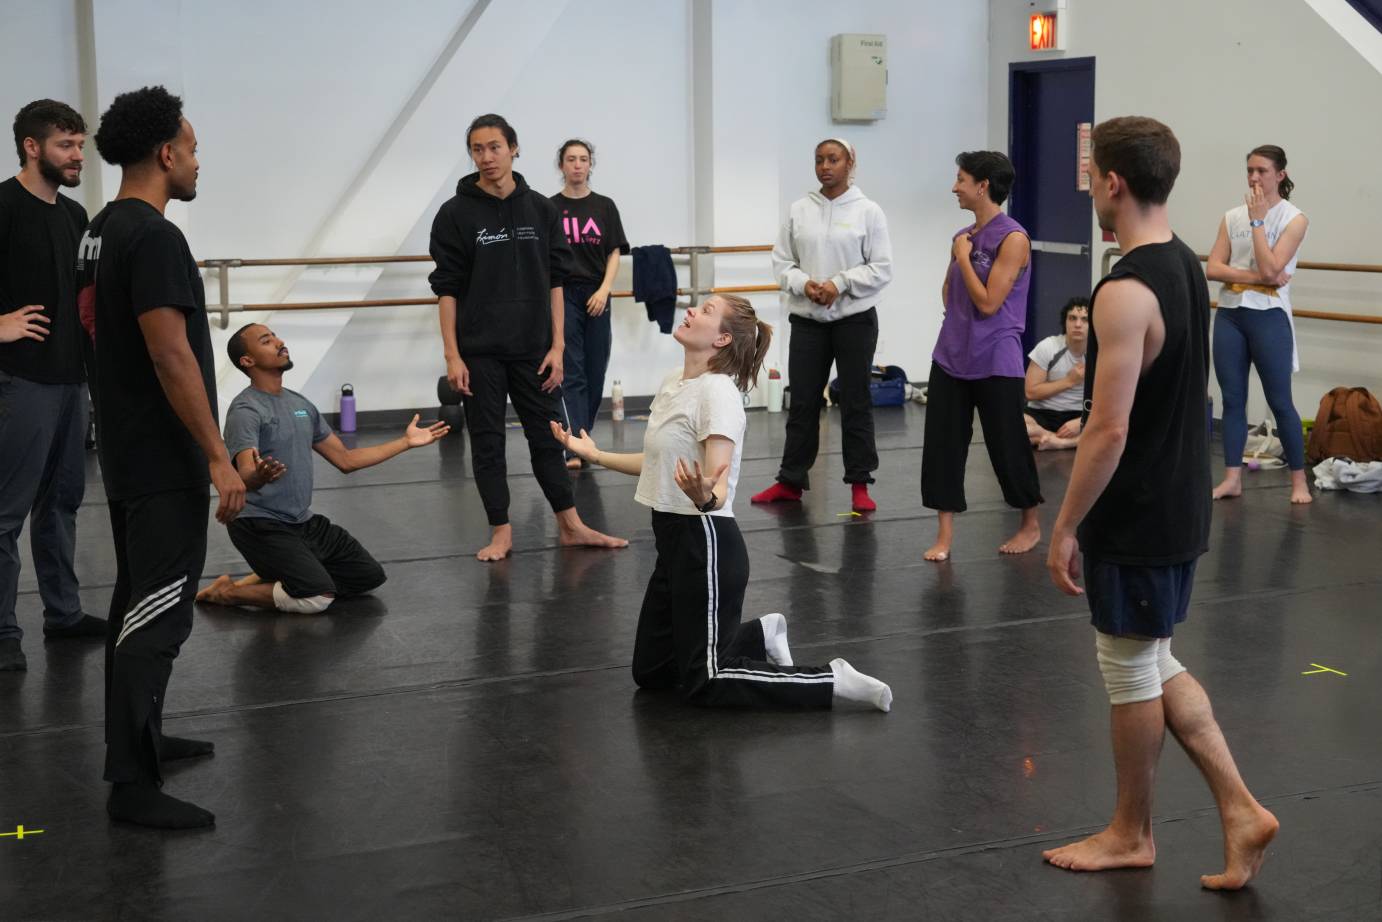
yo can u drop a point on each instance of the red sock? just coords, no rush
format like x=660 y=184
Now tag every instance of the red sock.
x=778 y=493
x=862 y=501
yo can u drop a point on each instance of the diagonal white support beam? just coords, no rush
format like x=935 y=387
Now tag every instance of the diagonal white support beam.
x=487 y=53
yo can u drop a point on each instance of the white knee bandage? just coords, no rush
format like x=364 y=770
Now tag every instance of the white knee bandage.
x=1167 y=665
x=1130 y=668
x=312 y=605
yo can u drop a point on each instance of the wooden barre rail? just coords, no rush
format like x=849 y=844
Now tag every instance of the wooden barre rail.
x=386 y=260
x=422 y=302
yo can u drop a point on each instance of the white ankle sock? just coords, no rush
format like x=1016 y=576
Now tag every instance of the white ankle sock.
x=775 y=639
x=853 y=685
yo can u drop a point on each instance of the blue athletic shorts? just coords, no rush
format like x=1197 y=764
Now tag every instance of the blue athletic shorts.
x=1137 y=601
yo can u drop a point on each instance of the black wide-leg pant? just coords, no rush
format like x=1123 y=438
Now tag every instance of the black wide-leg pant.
x=950 y=406
x=849 y=344
x=160 y=547
x=689 y=633
x=493 y=382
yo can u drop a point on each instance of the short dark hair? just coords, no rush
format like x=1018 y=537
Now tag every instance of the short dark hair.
x=39 y=118
x=237 y=348
x=571 y=142
x=1143 y=151
x=137 y=124
x=491 y=120
x=1278 y=158
x=1070 y=306
x=989 y=165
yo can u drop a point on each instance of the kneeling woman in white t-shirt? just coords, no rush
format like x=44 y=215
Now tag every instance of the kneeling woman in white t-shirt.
x=689 y=633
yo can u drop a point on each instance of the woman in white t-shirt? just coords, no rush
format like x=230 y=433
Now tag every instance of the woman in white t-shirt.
x=1255 y=257
x=689 y=633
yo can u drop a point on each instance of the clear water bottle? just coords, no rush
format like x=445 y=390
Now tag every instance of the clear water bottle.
x=347 y=408
x=616 y=400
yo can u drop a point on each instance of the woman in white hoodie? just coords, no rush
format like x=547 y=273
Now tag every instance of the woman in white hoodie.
x=833 y=259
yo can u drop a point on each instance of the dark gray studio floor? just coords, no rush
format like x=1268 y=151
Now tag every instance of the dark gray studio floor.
x=468 y=744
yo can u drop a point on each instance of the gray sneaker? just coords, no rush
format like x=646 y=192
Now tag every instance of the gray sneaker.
x=11 y=657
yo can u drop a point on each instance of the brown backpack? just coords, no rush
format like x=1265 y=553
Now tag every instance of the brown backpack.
x=1348 y=425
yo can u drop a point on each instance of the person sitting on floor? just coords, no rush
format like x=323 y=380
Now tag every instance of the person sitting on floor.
x=1055 y=381
x=301 y=561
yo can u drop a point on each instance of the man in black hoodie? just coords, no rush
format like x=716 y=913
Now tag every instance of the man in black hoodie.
x=501 y=259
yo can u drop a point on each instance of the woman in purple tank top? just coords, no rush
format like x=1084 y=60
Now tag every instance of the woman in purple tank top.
x=978 y=362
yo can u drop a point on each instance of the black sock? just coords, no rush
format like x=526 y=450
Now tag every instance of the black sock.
x=173 y=748
x=146 y=805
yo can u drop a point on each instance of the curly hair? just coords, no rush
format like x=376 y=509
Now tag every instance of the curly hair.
x=137 y=124
x=39 y=118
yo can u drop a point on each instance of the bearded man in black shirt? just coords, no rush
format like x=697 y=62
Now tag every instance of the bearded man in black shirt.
x=43 y=404
x=155 y=393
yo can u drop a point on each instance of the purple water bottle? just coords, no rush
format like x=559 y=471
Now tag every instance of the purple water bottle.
x=347 y=408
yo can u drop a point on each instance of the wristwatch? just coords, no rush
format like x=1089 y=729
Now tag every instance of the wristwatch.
x=709 y=505
x=1257 y=223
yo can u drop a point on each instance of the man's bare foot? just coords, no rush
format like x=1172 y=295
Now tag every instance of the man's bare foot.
x=1245 y=847
x=1229 y=487
x=1026 y=538
x=212 y=593
x=1103 y=852
x=938 y=551
x=251 y=580
x=1300 y=489
x=582 y=535
x=500 y=543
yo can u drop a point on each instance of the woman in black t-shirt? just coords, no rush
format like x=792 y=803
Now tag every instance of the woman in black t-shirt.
x=596 y=235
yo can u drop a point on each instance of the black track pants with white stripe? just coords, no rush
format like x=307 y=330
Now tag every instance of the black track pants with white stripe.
x=689 y=633
x=160 y=547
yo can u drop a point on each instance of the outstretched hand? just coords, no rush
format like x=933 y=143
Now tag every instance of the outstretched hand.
x=267 y=469
x=417 y=436
x=698 y=487
x=582 y=446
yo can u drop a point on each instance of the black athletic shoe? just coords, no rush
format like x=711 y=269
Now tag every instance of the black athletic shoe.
x=11 y=657
x=88 y=626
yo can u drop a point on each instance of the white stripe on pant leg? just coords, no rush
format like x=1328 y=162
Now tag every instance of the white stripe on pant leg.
x=139 y=613
x=795 y=678
x=154 y=597
x=148 y=618
x=712 y=599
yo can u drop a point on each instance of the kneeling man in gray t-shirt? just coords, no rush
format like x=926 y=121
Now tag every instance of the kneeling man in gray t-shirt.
x=301 y=561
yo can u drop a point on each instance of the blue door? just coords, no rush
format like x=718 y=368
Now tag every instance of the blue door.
x=1048 y=101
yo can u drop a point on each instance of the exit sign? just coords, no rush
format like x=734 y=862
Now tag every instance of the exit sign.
x=1042 y=32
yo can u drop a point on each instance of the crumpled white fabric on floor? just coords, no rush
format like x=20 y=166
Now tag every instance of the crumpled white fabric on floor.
x=1343 y=474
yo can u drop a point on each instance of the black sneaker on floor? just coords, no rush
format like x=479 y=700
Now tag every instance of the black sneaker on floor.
x=11 y=657
x=88 y=626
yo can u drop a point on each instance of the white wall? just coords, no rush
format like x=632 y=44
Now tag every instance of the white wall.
x=1227 y=76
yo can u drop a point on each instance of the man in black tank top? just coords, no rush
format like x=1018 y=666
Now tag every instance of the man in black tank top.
x=1138 y=505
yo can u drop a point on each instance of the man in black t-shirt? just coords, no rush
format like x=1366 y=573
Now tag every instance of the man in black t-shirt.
x=42 y=400
x=1139 y=496
x=142 y=301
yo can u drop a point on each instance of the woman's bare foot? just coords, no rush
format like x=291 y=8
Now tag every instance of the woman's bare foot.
x=582 y=535
x=1104 y=852
x=1027 y=535
x=1052 y=442
x=500 y=543
x=212 y=593
x=945 y=537
x=1300 y=489
x=1246 y=838
x=1231 y=485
